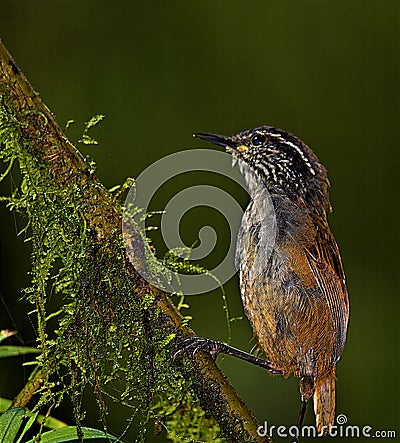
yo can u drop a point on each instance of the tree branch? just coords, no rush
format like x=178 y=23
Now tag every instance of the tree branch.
x=52 y=149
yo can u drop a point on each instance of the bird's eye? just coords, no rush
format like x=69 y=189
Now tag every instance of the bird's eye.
x=258 y=140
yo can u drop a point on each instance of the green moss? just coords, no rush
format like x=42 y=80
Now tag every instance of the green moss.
x=106 y=337
x=184 y=420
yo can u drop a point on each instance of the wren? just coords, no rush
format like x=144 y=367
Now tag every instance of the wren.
x=292 y=281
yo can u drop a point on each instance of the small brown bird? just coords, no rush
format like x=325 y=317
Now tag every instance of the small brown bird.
x=291 y=275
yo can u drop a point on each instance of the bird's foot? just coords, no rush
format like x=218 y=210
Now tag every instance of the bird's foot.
x=195 y=344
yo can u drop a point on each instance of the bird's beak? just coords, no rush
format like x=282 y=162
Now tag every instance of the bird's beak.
x=219 y=140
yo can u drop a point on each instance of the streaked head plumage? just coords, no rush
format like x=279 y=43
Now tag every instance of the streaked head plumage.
x=283 y=162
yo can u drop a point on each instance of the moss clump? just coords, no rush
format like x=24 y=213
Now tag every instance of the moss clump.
x=99 y=332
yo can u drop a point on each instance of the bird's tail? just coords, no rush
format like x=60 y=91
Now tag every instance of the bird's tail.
x=324 y=402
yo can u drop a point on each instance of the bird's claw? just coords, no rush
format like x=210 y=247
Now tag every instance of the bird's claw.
x=194 y=345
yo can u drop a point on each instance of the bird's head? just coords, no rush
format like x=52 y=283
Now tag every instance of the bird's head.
x=280 y=160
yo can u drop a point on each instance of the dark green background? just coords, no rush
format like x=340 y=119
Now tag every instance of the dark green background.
x=328 y=71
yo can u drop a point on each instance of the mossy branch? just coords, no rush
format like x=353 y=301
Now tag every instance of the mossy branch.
x=41 y=140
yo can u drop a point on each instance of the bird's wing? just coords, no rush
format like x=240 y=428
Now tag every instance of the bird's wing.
x=325 y=263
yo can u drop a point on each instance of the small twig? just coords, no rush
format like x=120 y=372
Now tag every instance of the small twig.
x=32 y=385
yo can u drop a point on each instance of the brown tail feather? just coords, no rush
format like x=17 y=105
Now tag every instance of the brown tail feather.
x=324 y=402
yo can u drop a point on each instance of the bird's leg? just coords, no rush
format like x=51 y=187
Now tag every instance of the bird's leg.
x=300 y=419
x=195 y=344
x=307 y=388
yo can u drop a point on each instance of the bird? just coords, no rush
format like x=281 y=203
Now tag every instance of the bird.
x=292 y=281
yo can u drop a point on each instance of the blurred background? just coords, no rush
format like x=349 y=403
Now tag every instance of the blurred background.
x=162 y=70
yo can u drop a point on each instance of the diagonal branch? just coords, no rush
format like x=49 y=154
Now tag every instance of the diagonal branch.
x=53 y=150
